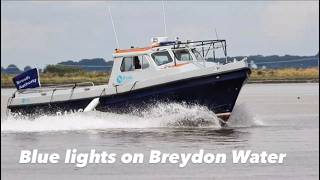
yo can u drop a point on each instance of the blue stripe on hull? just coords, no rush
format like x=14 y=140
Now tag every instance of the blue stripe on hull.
x=217 y=92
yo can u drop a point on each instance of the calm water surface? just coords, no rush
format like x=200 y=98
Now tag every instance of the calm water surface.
x=268 y=117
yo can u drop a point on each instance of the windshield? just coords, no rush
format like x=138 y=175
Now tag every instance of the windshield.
x=197 y=54
x=161 y=58
x=183 y=55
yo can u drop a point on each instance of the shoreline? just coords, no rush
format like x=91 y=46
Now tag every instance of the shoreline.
x=254 y=81
x=288 y=75
x=280 y=81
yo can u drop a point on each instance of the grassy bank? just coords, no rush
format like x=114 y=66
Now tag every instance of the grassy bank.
x=68 y=78
x=285 y=75
x=279 y=75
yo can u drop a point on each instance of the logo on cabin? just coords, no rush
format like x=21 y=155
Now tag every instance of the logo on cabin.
x=122 y=79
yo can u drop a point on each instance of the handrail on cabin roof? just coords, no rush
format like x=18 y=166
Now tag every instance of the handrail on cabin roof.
x=195 y=43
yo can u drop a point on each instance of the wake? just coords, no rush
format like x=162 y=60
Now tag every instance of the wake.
x=161 y=115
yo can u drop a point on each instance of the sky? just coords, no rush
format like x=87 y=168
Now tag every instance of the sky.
x=39 y=33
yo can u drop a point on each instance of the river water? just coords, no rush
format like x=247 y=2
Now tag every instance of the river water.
x=277 y=118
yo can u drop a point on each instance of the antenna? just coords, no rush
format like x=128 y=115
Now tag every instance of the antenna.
x=114 y=29
x=164 y=18
x=216 y=33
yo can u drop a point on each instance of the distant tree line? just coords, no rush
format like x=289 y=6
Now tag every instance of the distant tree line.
x=275 y=61
x=101 y=65
x=13 y=69
x=96 y=64
x=84 y=65
x=61 y=70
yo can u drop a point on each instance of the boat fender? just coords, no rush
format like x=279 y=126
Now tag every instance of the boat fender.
x=92 y=105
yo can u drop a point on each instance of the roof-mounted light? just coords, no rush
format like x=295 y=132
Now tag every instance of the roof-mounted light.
x=158 y=39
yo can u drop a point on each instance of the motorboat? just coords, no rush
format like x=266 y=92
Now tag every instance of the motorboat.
x=164 y=71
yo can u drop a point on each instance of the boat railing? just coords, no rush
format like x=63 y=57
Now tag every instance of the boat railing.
x=244 y=60
x=72 y=85
x=202 y=62
x=53 y=88
x=43 y=90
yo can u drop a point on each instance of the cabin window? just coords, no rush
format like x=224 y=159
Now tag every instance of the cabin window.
x=161 y=58
x=183 y=55
x=127 y=64
x=134 y=63
x=144 y=62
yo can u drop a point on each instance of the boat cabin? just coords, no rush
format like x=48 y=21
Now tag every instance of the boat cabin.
x=161 y=58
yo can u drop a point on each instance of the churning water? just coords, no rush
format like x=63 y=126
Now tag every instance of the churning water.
x=158 y=116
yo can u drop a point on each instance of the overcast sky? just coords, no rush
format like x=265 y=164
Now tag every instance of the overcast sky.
x=45 y=32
